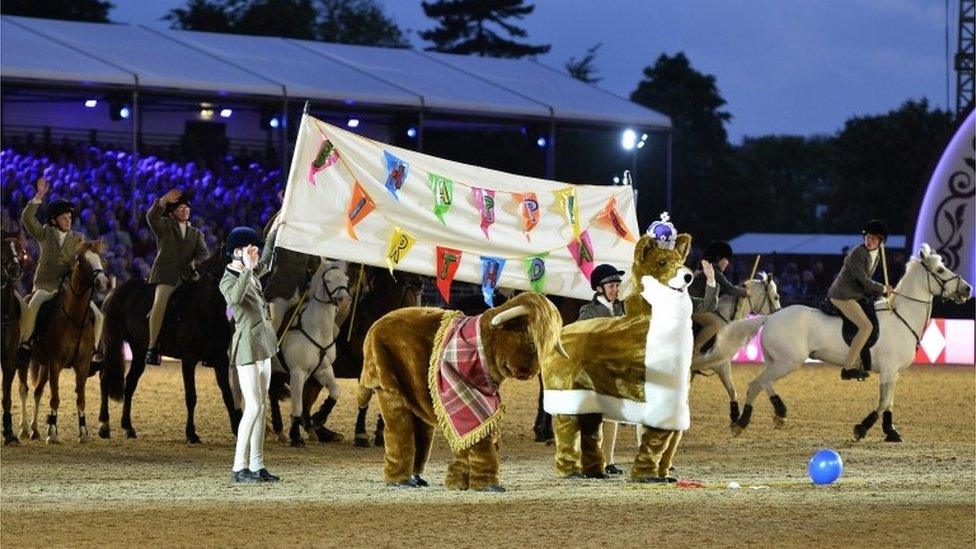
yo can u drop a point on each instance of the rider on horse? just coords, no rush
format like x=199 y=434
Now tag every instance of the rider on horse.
x=718 y=255
x=181 y=249
x=59 y=245
x=852 y=284
x=288 y=280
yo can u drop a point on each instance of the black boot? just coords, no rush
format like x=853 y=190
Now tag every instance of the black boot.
x=854 y=373
x=152 y=357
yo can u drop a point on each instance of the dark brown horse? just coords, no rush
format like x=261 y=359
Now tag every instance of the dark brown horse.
x=379 y=293
x=195 y=329
x=67 y=340
x=11 y=260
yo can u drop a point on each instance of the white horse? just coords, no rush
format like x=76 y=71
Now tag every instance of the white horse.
x=308 y=346
x=763 y=300
x=796 y=333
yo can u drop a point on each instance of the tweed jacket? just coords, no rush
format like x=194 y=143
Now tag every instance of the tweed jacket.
x=254 y=337
x=697 y=288
x=56 y=258
x=596 y=309
x=854 y=280
x=175 y=251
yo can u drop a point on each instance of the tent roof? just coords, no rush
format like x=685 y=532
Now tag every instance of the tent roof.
x=67 y=52
x=802 y=244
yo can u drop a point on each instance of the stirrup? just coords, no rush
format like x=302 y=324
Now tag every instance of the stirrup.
x=858 y=373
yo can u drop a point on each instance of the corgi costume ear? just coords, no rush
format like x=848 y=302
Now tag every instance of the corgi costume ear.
x=683 y=245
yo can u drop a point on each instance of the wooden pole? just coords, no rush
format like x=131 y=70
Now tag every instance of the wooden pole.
x=355 y=301
x=884 y=270
x=298 y=307
x=755 y=266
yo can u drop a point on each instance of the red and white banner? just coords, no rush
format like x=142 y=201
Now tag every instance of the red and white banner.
x=944 y=341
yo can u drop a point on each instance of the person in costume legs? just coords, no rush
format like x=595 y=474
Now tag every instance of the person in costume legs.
x=605 y=282
x=253 y=345
x=59 y=245
x=181 y=248
x=854 y=283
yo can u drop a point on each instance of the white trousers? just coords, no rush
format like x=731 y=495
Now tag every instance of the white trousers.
x=254 y=380
x=29 y=315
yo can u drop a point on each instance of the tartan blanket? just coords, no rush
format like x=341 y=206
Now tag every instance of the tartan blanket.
x=466 y=400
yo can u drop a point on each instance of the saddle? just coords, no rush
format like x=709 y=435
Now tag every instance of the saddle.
x=849 y=329
x=44 y=315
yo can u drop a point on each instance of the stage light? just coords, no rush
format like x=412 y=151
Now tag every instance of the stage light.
x=225 y=113
x=640 y=145
x=628 y=140
x=353 y=122
x=91 y=103
x=616 y=180
x=274 y=123
x=411 y=132
x=206 y=113
x=124 y=112
x=541 y=142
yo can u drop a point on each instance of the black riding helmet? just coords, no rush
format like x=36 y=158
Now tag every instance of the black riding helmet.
x=242 y=237
x=184 y=198
x=603 y=274
x=718 y=249
x=58 y=207
x=877 y=228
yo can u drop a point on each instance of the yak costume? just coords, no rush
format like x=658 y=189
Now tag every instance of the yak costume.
x=429 y=367
x=631 y=369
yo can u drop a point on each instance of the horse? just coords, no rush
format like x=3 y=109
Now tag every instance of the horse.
x=379 y=292
x=67 y=340
x=795 y=333
x=11 y=258
x=729 y=309
x=308 y=344
x=195 y=329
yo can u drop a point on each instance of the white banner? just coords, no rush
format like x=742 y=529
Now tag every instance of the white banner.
x=336 y=177
x=947 y=218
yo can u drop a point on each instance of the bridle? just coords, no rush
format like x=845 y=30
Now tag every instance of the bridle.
x=330 y=293
x=927 y=301
x=12 y=269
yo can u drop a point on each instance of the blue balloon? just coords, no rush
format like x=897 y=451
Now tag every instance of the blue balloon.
x=825 y=467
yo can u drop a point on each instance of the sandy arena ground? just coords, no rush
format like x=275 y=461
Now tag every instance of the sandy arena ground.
x=157 y=490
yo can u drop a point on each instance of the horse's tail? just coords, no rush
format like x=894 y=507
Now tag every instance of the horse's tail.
x=730 y=339
x=113 y=373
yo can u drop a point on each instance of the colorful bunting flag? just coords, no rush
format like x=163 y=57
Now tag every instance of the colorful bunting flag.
x=448 y=260
x=612 y=217
x=396 y=173
x=535 y=267
x=485 y=200
x=491 y=273
x=569 y=208
x=360 y=205
x=529 y=209
x=443 y=189
x=328 y=155
x=582 y=251
x=400 y=243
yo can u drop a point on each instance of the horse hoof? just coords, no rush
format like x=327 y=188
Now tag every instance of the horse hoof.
x=52 y=440
x=130 y=433
x=361 y=441
x=779 y=422
x=10 y=440
x=193 y=439
x=298 y=443
x=736 y=429
x=378 y=441
x=859 y=432
x=104 y=432
x=893 y=436
x=35 y=435
x=281 y=436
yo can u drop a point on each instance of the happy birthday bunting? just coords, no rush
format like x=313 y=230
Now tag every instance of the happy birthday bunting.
x=485 y=200
x=443 y=189
x=528 y=207
x=582 y=251
x=328 y=155
x=612 y=217
x=535 y=268
x=448 y=260
x=569 y=208
x=360 y=205
x=491 y=273
x=400 y=243
x=396 y=173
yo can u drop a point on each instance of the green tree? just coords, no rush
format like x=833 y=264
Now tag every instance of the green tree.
x=583 y=68
x=464 y=28
x=702 y=157
x=882 y=165
x=360 y=22
x=204 y=15
x=93 y=11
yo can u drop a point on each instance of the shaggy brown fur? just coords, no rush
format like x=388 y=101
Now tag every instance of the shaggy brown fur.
x=397 y=358
x=607 y=356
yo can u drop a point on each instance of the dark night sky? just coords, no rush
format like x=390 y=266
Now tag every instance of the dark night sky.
x=784 y=66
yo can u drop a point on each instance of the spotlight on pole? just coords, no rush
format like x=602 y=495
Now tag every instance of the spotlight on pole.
x=628 y=140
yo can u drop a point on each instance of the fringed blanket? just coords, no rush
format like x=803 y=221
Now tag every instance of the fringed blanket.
x=466 y=400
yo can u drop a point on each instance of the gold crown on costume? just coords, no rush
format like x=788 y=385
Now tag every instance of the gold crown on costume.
x=663 y=232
